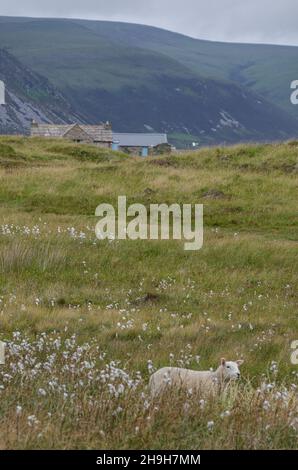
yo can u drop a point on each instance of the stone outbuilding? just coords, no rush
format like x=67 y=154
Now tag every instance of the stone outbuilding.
x=100 y=135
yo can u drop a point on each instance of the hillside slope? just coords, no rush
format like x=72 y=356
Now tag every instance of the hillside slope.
x=30 y=96
x=142 y=78
x=265 y=69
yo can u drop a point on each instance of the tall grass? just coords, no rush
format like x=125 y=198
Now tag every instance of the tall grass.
x=59 y=394
x=22 y=255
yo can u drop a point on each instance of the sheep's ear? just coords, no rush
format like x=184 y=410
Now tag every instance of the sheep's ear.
x=239 y=362
x=223 y=361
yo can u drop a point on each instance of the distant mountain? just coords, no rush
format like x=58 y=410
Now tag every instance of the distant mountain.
x=146 y=79
x=29 y=96
x=265 y=69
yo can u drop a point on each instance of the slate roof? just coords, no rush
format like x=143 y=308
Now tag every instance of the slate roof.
x=49 y=130
x=139 y=140
x=99 y=133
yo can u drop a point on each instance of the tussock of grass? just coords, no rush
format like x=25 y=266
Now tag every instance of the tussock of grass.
x=86 y=153
x=22 y=256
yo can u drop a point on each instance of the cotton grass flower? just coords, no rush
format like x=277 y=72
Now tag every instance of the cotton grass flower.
x=210 y=425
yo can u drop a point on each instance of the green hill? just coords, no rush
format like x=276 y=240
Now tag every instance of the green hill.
x=265 y=69
x=142 y=78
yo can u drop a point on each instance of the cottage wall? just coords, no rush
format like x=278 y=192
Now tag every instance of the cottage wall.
x=131 y=150
x=157 y=150
x=104 y=145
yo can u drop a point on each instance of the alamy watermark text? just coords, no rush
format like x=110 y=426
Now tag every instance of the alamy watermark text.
x=163 y=222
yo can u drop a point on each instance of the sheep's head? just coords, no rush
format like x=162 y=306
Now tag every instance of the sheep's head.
x=229 y=370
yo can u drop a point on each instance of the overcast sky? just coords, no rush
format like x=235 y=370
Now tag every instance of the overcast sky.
x=266 y=21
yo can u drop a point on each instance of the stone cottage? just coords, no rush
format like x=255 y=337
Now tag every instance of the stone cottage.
x=100 y=135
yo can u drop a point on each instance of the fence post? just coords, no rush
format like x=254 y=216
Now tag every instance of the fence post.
x=2 y=353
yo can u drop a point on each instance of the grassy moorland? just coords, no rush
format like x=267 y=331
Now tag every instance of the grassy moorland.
x=86 y=321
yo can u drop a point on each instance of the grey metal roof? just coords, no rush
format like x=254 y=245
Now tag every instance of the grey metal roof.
x=139 y=140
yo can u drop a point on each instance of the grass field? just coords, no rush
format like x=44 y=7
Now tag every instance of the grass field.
x=86 y=321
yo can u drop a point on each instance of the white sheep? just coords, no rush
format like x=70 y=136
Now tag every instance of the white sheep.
x=204 y=381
